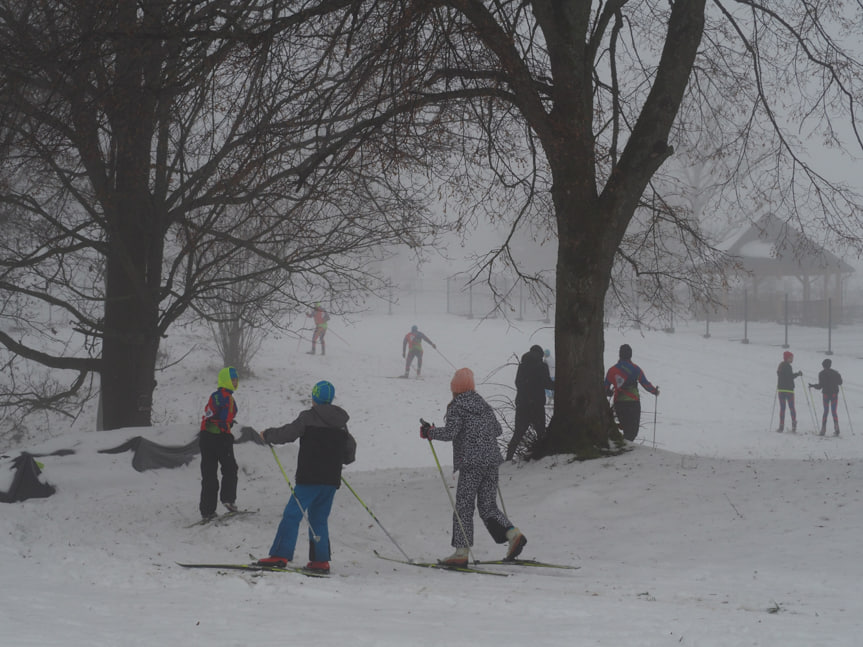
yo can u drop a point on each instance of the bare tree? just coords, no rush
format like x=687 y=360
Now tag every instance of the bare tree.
x=568 y=111
x=149 y=147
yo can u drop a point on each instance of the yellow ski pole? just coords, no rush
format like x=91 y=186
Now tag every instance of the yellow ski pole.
x=363 y=503
x=448 y=493
x=315 y=535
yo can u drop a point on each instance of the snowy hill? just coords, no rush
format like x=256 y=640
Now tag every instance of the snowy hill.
x=720 y=533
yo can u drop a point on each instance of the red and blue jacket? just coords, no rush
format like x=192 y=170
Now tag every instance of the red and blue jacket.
x=221 y=408
x=623 y=379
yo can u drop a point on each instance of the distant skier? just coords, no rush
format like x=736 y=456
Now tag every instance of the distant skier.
x=412 y=346
x=785 y=390
x=473 y=428
x=622 y=382
x=829 y=381
x=217 y=446
x=531 y=381
x=321 y=318
x=325 y=445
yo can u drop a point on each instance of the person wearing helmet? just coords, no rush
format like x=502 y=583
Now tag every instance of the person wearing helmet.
x=412 y=344
x=785 y=390
x=829 y=381
x=217 y=446
x=321 y=318
x=325 y=446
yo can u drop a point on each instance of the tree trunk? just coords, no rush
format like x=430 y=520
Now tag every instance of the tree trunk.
x=582 y=419
x=135 y=242
x=131 y=337
x=128 y=351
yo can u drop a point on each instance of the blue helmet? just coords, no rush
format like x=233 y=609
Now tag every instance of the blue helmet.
x=414 y=329
x=323 y=392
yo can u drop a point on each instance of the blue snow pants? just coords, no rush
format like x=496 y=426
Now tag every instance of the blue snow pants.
x=317 y=501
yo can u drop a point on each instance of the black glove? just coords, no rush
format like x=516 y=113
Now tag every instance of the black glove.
x=265 y=434
x=798 y=374
x=812 y=386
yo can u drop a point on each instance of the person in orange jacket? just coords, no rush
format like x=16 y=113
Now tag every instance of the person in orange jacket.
x=321 y=318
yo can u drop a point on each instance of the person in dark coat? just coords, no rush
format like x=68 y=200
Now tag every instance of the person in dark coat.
x=531 y=381
x=785 y=390
x=622 y=382
x=473 y=428
x=325 y=445
x=829 y=381
x=217 y=446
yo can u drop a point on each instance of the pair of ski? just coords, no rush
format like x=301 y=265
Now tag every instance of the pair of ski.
x=258 y=568
x=478 y=566
x=220 y=519
x=444 y=567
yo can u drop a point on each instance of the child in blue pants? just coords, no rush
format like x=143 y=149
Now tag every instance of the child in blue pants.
x=325 y=445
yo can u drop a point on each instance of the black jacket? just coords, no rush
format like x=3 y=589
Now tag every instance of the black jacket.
x=325 y=444
x=828 y=381
x=785 y=377
x=532 y=379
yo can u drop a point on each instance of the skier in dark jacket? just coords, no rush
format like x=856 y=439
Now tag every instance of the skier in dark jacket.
x=531 y=381
x=325 y=445
x=217 y=446
x=473 y=428
x=785 y=390
x=622 y=382
x=829 y=381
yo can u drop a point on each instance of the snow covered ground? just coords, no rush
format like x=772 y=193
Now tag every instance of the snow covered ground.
x=712 y=531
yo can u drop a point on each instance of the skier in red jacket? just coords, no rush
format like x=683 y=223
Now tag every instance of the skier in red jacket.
x=413 y=344
x=622 y=382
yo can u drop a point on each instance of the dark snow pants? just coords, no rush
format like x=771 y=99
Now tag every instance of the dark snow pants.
x=831 y=402
x=629 y=416
x=410 y=358
x=216 y=450
x=787 y=398
x=526 y=415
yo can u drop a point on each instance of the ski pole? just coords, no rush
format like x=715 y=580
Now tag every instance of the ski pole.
x=448 y=493
x=339 y=336
x=363 y=503
x=315 y=535
x=848 y=413
x=811 y=404
x=301 y=338
x=445 y=357
x=502 y=505
x=772 y=411
x=655 y=408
